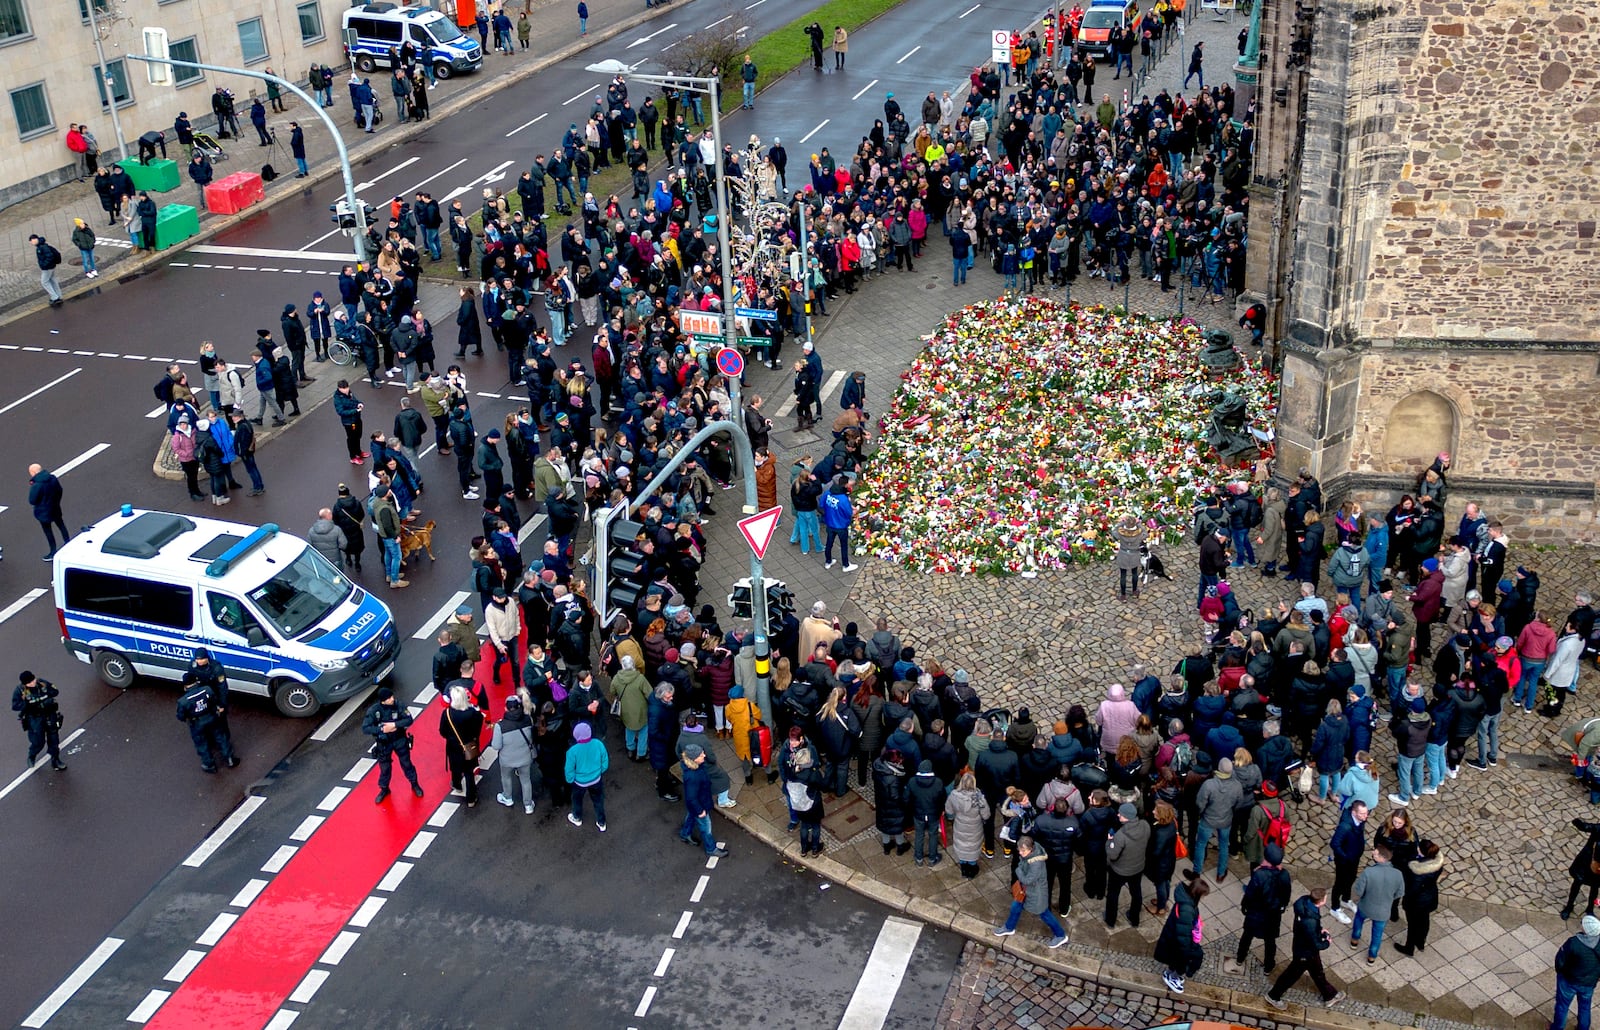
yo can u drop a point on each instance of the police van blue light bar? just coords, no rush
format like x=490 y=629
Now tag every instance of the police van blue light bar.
x=220 y=567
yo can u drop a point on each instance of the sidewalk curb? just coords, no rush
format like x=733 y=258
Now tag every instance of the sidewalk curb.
x=216 y=224
x=1248 y=1004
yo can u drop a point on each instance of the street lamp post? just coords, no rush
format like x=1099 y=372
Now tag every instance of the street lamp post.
x=105 y=77
x=712 y=87
x=333 y=130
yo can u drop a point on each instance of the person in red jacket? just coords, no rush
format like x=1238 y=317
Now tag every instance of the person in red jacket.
x=1427 y=601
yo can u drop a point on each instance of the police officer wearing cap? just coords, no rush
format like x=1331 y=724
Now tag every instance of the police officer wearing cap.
x=209 y=671
x=34 y=701
x=390 y=724
x=200 y=708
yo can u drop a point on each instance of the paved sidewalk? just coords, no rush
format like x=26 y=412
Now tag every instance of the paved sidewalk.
x=51 y=213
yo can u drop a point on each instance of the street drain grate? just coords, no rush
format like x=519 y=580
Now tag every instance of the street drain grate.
x=1536 y=763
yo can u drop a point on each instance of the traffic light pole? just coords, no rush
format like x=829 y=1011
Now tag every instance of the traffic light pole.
x=312 y=105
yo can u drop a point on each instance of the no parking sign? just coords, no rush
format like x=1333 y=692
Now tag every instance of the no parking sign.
x=730 y=362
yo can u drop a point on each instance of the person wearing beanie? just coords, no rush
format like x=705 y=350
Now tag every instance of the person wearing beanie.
x=1577 y=970
x=1125 y=859
x=34 y=701
x=389 y=724
x=1117 y=717
x=587 y=762
x=1214 y=805
x=697 y=802
x=927 y=805
x=1266 y=896
x=513 y=743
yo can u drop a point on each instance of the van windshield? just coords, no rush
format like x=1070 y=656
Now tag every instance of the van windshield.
x=1102 y=18
x=302 y=594
x=440 y=28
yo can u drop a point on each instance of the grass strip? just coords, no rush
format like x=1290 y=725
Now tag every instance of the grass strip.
x=783 y=50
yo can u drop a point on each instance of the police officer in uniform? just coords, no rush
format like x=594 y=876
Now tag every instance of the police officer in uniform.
x=390 y=724
x=34 y=701
x=209 y=671
x=201 y=709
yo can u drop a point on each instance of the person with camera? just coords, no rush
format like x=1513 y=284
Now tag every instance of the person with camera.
x=34 y=701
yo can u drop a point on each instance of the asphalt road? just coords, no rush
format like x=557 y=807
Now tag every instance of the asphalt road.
x=92 y=841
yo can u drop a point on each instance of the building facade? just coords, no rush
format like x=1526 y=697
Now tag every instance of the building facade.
x=47 y=48
x=1426 y=190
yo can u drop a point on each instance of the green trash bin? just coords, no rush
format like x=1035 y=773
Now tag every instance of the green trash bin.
x=174 y=224
x=157 y=176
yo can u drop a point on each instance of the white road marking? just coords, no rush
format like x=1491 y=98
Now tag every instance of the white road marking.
x=219 y=926
x=833 y=381
x=909 y=53
x=75 y=980
x=394 y=877
x=644 y=1002
x=813 y=132
x=719 y=21
x=262 y=252
x=212 y=844
x=308 y=987
x=653 y=35
x=339 y=948
x=252 y=268
x=528 y=527
x=361 y=768
x=248 y=894
x=580 y=96
x=307 y=827
x=683 y=924
x=54 y=382
x=443 y=814
x=369 y=183
x=491 y=396
x=427 y=450
x=700 y=890
x=670 y=45
x=863 y=89
x=666 y=960
x=184 y=966
x=436 y=175
x=886 y=967
x=331 y=725
x=58 y=350
x=80 y=459
x=156 y=412
x=35 y=350
x=279 y=859
x=753 y=6
x=148 y=1008
x=283 y=1019
x=425 y=631
x=84 y=353
x=40 y=763
x=419 y=844
x=968 y=11
x=711 y=861
x=525 y=124
x=367 y=912
x=319 y=239
x=22 y=602
x=332 y=799
x=425 y=696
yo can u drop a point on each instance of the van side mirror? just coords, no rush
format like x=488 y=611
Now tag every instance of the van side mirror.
x=256 y=636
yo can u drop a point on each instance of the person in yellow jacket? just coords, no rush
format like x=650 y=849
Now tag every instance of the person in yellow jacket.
x=743 y=714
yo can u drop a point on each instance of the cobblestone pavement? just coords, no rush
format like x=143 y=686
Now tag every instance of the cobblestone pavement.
x=991 y=990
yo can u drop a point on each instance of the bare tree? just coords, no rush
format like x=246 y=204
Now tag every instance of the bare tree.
x=714 y=51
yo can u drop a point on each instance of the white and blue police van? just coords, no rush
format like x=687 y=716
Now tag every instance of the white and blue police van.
x=372 y=31
x=138 y=592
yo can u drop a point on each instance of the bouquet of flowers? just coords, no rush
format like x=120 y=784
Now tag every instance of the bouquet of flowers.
x=1027 y=428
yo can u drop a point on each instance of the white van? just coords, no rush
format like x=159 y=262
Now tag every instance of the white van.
x=139 y=591
x=372 y=30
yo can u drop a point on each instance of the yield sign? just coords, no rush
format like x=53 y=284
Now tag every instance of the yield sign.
x=758 y=529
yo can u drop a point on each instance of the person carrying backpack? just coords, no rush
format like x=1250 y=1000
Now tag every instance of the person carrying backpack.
x=1267 y=824
x=1266 y=896
x=48 y=258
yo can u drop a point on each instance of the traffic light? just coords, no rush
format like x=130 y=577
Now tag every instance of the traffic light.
x=352 y=222
x=780 y=602
x=625 y=569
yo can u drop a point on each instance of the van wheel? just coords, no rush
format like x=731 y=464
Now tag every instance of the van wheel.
x=443 y=71
x=295 y=700
x=114 y=668
x=366 y=64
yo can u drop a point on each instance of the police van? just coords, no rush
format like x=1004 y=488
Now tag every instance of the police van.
x=139 y=591
x=372 y=30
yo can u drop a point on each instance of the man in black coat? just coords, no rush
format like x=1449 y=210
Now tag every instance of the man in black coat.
x=1309 y=942
x=44 y=494
x=996 y=769
x=294 y=337
x=1266 y=896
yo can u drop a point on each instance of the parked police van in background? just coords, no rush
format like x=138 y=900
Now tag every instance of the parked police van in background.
x=139 y=591
x=372 y=30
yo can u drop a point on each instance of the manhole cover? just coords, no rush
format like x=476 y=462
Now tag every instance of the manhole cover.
x=848 y=816
x=1537 y=763
x=931 y=286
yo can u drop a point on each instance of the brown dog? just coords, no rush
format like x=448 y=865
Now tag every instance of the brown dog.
x=413 y=540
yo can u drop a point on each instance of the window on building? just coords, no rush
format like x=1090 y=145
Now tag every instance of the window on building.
x=32 y=109
x=185 y=50
x=117 y=72
x=310 y=21
x=13 y=21
x=253 y=40
x=101 y=7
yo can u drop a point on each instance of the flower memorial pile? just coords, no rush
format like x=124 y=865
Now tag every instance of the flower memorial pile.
x=1026 y=429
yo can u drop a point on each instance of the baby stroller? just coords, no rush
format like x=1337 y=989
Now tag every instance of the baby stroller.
x=205 y=143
